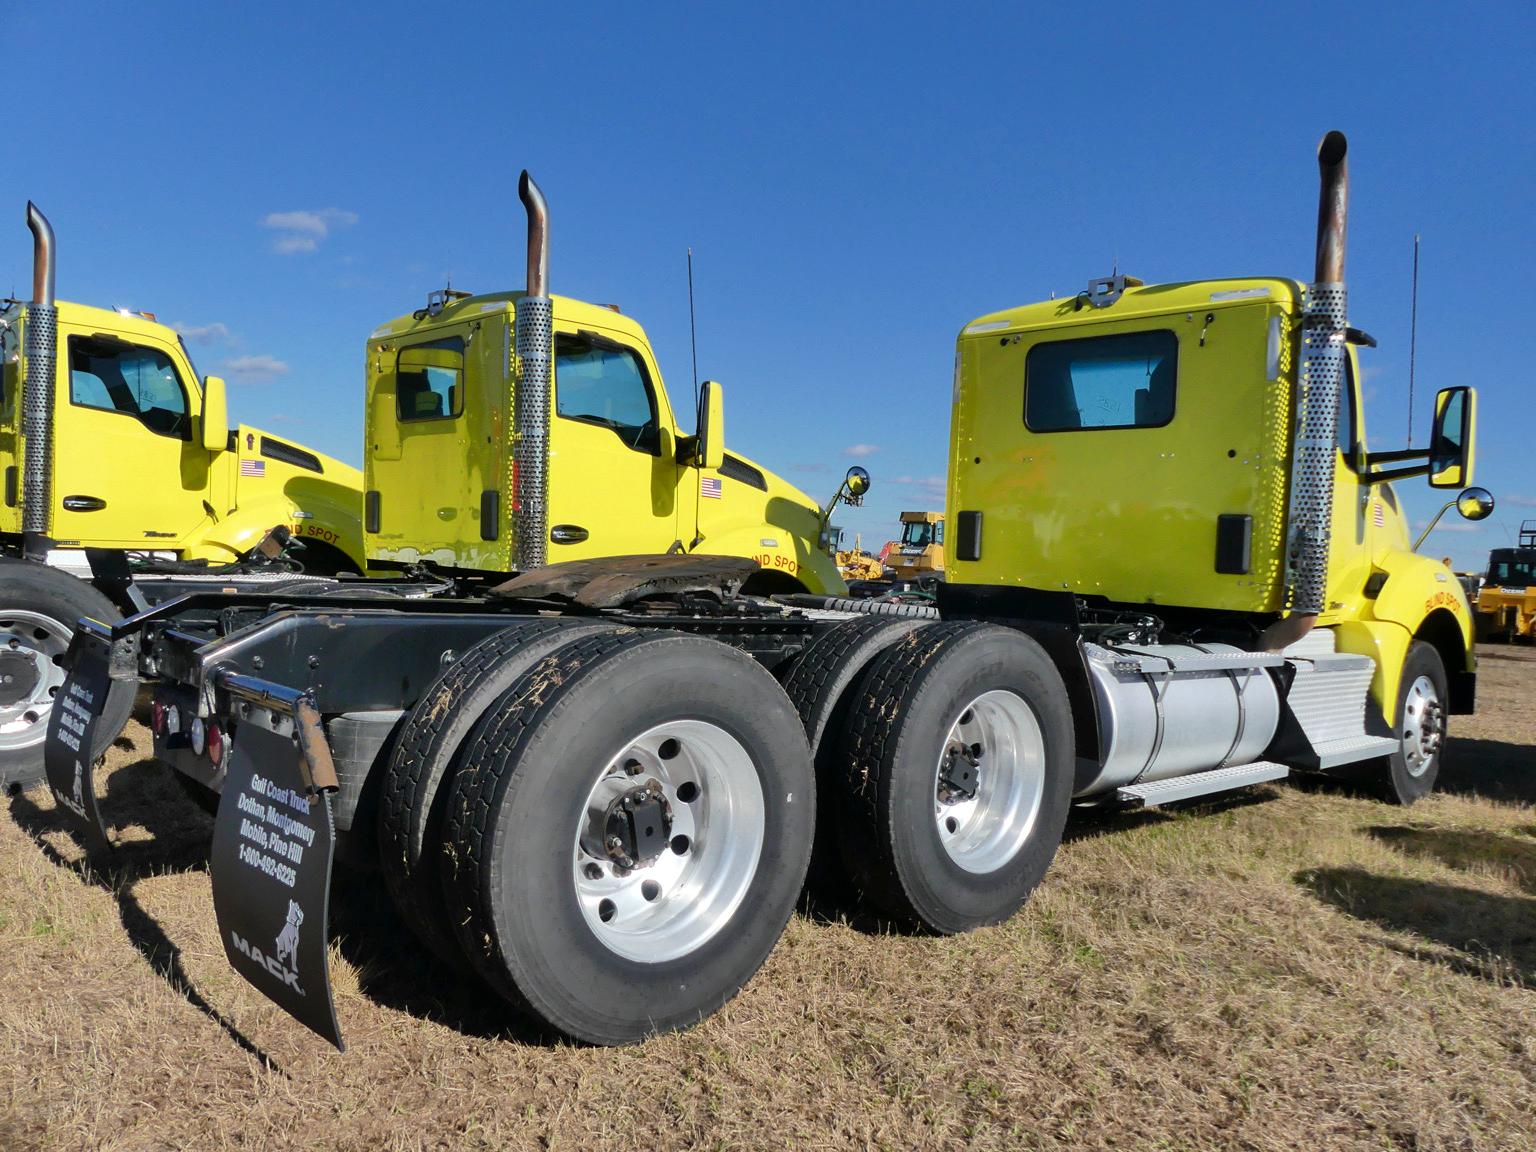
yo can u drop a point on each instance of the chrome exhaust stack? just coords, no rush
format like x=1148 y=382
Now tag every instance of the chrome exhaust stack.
x=533 y=383
x=39 y=346
x=1322 y=375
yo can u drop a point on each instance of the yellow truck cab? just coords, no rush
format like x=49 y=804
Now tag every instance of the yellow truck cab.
x=109 y=440
x=1196 y=453
x=454 y=477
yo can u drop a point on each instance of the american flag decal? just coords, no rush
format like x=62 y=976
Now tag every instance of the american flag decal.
x=709 y=487
x=253 y=467
x=1377 y=514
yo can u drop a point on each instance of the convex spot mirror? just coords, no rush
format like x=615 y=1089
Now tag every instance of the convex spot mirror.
x=1451 y=443
x=1475 y=504
x=857 y=481
x=215 y=415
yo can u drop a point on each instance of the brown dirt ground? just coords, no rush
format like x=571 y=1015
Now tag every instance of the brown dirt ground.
x=1293 y=968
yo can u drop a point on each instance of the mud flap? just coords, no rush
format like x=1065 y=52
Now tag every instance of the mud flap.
x=273 y=843
x=67 y=759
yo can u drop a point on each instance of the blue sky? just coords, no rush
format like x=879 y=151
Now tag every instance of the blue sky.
x=856 y=182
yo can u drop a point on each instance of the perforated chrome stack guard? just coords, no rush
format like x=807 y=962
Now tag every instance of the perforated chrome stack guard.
x=39 y=341
x=530 y=452
x=1312 y=455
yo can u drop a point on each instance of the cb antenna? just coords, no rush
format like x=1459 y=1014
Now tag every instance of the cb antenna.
x=1413 y=334
x=693 y=335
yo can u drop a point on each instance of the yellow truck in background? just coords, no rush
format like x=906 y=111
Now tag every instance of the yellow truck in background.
x=467 y=475
x=111 y=441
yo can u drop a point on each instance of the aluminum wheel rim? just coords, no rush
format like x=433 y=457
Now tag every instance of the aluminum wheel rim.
x=1423 y=726
x=42 y=639
x=985 y=831
x=677 y=902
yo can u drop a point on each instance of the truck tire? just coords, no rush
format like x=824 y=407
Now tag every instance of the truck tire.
x=820 y=686
x=412 y=796
x=610 y=924
x=39 y=607
x=1410 y=772
x=958 y=767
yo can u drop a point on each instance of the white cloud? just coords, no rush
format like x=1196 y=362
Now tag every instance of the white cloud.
x=288 y=245
x=214 y=333
x=255 y=368
x=1518 y=501
x=861 y=450
x=303 y=231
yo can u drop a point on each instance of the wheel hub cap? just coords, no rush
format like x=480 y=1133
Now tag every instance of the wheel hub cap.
x=989 y=781
x=668 y=841
x=1423 y=726
x=30 y=675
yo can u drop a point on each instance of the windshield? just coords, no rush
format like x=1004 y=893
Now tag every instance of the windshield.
x=1513 y=572
x=921 y=535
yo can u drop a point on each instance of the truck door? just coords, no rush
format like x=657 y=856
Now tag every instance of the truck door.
x=436 y=448
x=127 y=472
x=613 y=471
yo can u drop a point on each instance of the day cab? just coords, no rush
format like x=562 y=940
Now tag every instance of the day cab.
x=141 y=456
x=1136 y=446
x=621 y=477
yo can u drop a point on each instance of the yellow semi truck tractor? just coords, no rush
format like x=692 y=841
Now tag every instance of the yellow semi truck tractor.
x=111 y=443
x=467 y=473
x=1174 y=569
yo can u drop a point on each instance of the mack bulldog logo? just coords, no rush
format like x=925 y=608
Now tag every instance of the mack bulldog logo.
x=283 y=962
x=271 y=869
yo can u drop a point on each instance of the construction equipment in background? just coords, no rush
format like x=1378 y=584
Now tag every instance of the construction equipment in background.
x=918 y=557
x=1174 y=570
x=856 y=564
x=110 y=441
x=1506 y=602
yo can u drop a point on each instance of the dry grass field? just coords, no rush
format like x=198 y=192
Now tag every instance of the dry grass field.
x=1296 y=968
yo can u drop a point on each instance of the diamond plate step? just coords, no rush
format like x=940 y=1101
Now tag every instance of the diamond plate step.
x=1351 y=749
x=1200 y=784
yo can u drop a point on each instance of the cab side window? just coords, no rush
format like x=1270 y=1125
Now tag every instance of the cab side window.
x=114 y=376
x=605 y=384
x=429 y=381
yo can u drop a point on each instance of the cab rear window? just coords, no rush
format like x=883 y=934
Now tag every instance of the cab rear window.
x=1125 y=380
x=429 y=381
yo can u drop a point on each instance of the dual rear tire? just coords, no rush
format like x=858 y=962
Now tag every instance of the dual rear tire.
x=616 y=828
x=611 y=827
x=948 y=781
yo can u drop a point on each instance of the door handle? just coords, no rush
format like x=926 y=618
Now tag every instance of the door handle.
x=83 y=503
x=568 y=533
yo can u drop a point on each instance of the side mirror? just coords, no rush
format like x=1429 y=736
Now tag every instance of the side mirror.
x=710 y=452
x=215 y=415
x=857 y=482
x=1475 y=504
x=1451 y=442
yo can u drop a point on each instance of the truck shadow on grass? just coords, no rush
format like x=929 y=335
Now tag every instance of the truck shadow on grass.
x=391 y=970
x=1481 y=934
x=140 y=793
x=1467 y=850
